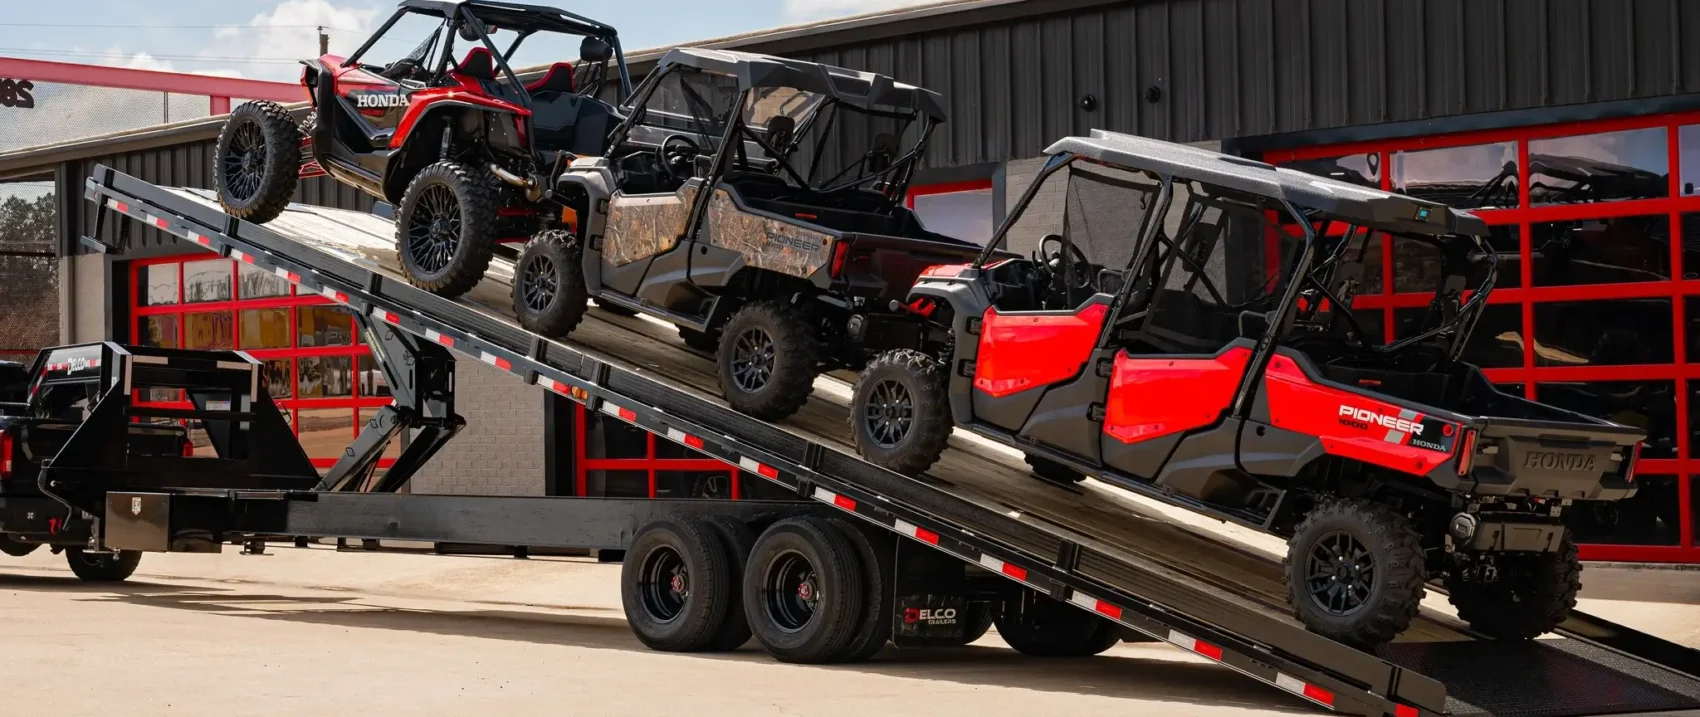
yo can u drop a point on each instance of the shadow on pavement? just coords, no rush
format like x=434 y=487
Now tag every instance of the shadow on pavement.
x=1678 y=587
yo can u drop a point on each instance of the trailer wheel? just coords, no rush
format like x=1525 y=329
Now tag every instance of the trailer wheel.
x=615 y=309
x=1047 y=469
x=979 y=621
x=1532 y=594
x=874 y=629
x=1039 y=626
x=1355 y=572
x=16 y=548
x=549 y=292
x=768 y=355
x=258 y=160
x=804 y=591
x=446 y=228
x=739 y=542
x=899 y=411
x=676 y=585
x=704 y=341
x=102 y=567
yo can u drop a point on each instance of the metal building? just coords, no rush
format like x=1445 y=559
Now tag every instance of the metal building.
x=1571 y=125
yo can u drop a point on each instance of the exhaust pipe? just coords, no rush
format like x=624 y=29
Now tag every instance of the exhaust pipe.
x=533 y=192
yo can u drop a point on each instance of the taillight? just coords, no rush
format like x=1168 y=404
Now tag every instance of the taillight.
x=1634 y=458
x=5 y=456
x=840 y=252
x=1467 y=452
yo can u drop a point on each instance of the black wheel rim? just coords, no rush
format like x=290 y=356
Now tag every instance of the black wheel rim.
x=890 y=413
x=244 y=164
x=433 y=229
x=1340 y=573
x=792 y=591
x=666 y=584
x=753 y=359
x=539 y=285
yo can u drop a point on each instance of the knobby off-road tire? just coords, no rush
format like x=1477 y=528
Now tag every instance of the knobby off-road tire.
x=768 y=358
x=676 y=585
x=256 y=161
x=739 y=541
x=874 y=628
x=804 y=591
x=1533 y=594
x=102 y=567
x=706 y=342
x=1047 y=469
x=900 y=411
x=549 y=294
x=446 y=228
x=615 y=309
x=1039 y=626
x=1354 y=572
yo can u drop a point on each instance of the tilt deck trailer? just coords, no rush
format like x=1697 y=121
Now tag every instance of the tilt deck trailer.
x=1044 y=542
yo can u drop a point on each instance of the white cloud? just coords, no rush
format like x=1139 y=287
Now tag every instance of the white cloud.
x=807 y=10
x=287 y=31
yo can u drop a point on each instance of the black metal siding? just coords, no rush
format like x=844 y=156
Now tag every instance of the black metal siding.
x=1236 y=68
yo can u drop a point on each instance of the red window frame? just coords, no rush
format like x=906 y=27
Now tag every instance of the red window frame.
x=294 y=302
x=649 y=463
x=1526 y=295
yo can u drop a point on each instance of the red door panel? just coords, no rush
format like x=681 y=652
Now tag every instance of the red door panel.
x=1024 y=350
x=1352 y=425
x=1151 y=397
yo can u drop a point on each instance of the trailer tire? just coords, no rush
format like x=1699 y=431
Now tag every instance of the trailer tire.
x=980 y=618
x=768 y=358
x=615 y=309
x=16 y=548
x=1049 y=470
x=1397 y=571
x=900 y=411
x=874 y=629
x=102 y=567
x=257 y=161
x=739 y=542
x=804 y=592
x=549 y=294
x=1039 y=626
x=434 y=256
x=676 y=585
x=704 y=341
x=1534 y=593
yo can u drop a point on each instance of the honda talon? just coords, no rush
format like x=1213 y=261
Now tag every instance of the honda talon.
x=465 y=151
x=1184 y=330
x=758 y=204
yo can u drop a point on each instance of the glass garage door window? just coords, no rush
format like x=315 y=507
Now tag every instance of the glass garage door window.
x=1597 y=228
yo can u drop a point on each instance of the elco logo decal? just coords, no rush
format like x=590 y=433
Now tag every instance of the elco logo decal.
x=379 y=100
x=1364 y=415
x=931 y=616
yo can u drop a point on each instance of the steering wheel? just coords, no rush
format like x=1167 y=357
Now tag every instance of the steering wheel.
x=1053 y=260
x=677 y=154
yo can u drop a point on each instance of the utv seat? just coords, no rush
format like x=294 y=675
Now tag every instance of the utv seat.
x=558 y=79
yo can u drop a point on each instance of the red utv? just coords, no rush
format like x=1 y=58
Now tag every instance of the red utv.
x=1184 y=331
x=448 y=134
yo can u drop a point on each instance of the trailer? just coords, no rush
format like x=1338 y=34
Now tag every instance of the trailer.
x=929 y=557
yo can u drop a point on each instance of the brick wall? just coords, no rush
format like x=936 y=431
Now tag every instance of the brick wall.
x=500 y=452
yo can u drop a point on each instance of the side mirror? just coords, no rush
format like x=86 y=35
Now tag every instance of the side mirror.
x=595 y=50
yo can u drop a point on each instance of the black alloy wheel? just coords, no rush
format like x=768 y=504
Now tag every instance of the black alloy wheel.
x=1340 y=573
x=244 y=164
x=433 y=229
x=890 y=413
x=754 y=358
x=792 y=593
x=538 y=286
x=666 y=584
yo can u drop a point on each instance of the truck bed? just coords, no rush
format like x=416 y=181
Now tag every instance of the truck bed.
x=1201 y=578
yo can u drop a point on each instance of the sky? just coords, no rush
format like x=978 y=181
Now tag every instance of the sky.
x=263 y=39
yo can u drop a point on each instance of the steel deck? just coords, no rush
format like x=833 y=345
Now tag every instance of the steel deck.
x=1093 y=546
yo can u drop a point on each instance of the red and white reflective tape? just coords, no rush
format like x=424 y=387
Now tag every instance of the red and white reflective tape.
x=620 y=412
x=120 y=206
x=158 y=222
x=1188 y=642
x=288 y=275
x=830 y=498
x=998 y=566
x=386 y=317
x=438 y=337
x=757 y=467
x=678 y=436
x=198 y=239
x=917 y=532
x=496 y=361
x=1318 y=695
x=241 y=256
x=555 y=386
x=334 y=295
x=1095 y=605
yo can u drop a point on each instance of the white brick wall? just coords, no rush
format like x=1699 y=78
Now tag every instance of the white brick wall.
x=500 y=452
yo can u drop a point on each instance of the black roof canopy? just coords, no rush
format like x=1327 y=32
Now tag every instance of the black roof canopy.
x=855 y=87
x=516 y=16
x=1358 y=204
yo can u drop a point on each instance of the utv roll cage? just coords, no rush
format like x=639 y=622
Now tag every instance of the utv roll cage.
x=471 y=20
x=1310 y=205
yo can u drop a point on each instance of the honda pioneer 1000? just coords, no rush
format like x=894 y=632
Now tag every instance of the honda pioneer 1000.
x=1184 y=329
x=757 y=203
x=464 y=150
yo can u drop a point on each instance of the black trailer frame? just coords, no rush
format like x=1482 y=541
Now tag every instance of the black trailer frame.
x=1125 y=588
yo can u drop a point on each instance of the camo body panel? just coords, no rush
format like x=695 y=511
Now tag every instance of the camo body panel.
x=644 y=226
x=766 y=243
